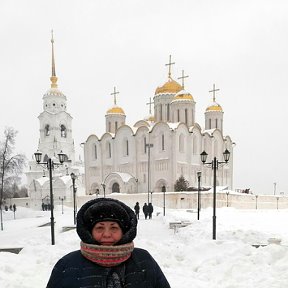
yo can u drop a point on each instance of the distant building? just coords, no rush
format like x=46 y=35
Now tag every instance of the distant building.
x=153 y=153
x=55 y=137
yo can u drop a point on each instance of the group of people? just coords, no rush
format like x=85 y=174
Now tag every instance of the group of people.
x=107 y=257
x=147 y=210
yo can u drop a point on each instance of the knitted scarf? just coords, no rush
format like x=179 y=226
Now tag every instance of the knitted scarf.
x=107 y=256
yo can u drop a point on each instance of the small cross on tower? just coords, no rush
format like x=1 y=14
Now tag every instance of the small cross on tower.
x=150 y=104
x=169 y=64
x=114 y=94
x=214 y=90
x=183 y=77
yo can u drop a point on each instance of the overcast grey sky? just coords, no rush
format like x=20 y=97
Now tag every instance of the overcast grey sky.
x=241 y=46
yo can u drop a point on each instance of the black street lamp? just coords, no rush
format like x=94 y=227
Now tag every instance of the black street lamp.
x=215 y=164
x=50 y=165
x=227 y=194
x=74 y=177
x=277 y=198
x=199 y=199
x=256 y=197
x=62 y=199
x=149 y=146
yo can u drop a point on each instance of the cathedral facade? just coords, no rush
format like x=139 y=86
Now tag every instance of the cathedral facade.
x=55 y=137
x=153 y=153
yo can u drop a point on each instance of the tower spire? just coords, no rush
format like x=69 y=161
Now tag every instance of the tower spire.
x=53 y=77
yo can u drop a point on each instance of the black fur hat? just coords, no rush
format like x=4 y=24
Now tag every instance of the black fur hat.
x=106 y=209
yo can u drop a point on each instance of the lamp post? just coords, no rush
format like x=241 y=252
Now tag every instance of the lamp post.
x=227 y=194
x=256 y=197
x=50 y=164
x=199 y=201
x=149 y=145
x=74 y=177
x=104 y=186
x=62 y=199
x=215 y=164
x=164 y=199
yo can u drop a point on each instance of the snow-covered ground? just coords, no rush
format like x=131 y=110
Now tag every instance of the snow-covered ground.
x=189 y=257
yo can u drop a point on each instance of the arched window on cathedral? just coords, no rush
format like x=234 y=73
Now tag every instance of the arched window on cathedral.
x=116 y=125
x=108 y=149
x=109 y=127
x=144 y=145
x=181 y=143
x=45 y=159
x=63 y=131
x=216 y=123
x=125 y=147
x=178 y=115
x=161 y=118
x=168 y=112
x=47 y=130
x=115 y=188
x=95 y=151
x=162 y=142
x=210 y=123
x=186 y=116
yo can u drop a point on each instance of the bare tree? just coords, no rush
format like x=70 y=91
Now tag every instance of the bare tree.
x=11 y=164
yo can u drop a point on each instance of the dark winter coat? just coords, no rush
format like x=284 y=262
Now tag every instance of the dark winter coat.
x=145 y=209
x=137 y=208
x=75 y=271
x=150 y=208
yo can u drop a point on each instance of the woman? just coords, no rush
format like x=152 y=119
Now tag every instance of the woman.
x=107 y=258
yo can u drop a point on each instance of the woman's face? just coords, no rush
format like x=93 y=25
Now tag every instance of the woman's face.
x=107 y=232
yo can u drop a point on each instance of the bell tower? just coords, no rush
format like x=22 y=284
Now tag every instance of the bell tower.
x=55 y=121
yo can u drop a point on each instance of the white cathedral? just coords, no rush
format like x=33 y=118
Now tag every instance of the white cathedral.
x=153 y=153
x=55 y=137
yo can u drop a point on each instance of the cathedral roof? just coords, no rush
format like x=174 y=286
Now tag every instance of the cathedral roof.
x=214 y=107
x=150 y=118
x=183 y=96
x=116 y=110
x=171 y=86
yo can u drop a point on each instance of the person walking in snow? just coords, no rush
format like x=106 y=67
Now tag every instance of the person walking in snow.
x=107 y=257
x=150 y=210
x=137 y=210
x=145 y=210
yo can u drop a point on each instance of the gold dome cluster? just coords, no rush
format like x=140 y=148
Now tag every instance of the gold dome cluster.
x=171 y=86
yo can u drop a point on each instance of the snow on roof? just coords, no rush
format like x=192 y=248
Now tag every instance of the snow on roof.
x=125 y=176
x=209 y=131
x=42 y=180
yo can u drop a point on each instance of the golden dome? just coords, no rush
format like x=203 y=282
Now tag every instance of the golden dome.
x=116 y=110
x=183 y=95
x=150 y=118
x=214 y=107
x=171 y=86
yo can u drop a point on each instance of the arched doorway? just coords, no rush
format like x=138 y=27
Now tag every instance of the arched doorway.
x=116 y=188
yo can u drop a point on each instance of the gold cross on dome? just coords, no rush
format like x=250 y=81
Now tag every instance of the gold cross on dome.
x=114 y=94
x=183 y=77
x=150 y=104
x=214 y=90
x=169 y=64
